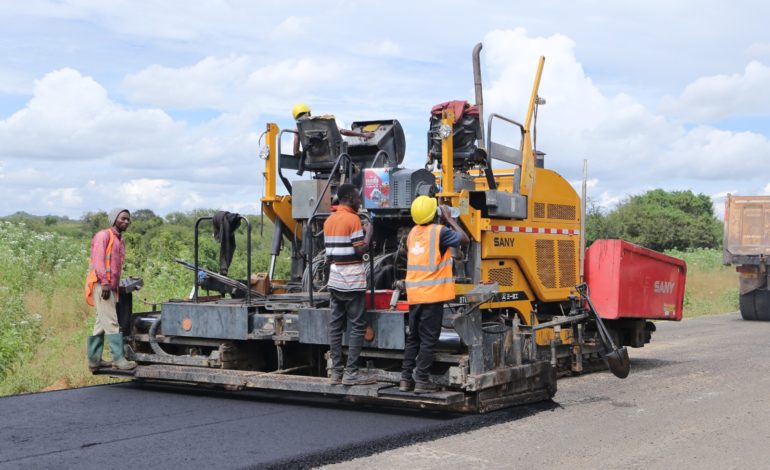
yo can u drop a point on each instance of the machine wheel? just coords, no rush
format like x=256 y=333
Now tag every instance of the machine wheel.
x=755 y=305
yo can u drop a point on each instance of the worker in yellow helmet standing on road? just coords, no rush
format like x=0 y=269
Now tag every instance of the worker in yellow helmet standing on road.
x=429 y=283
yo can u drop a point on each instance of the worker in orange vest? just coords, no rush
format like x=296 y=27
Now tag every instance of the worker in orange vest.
x=429 y=283
x=102 y=283
x=346 y=241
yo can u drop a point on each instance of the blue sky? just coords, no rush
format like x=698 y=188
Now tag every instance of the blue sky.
x=160 y=104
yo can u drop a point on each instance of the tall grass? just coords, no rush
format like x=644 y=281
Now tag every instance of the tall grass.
x=35 y=269
x=710 y=287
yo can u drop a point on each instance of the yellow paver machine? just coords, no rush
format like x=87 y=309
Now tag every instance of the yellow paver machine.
x=521 y=316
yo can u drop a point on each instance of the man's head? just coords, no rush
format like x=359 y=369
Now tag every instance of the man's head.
x=424 y=210
x=347 y=194
x=119 y=218
x=300 y=109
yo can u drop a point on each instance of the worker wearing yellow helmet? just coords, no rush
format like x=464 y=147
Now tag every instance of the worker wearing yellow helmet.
x=302 y=111
x=429 y=283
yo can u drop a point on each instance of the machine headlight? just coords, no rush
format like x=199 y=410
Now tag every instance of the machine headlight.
x=444 y=131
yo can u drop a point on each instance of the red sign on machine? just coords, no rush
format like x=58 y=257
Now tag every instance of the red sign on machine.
x=628 y=281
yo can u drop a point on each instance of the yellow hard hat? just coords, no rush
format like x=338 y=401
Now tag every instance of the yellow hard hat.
x=424 y=209
x=298 y=109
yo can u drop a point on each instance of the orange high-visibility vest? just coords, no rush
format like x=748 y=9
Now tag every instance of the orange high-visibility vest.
x=91 y=278
x=428 y=273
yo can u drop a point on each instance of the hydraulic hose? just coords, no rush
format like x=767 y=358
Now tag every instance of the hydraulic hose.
x=154 y=341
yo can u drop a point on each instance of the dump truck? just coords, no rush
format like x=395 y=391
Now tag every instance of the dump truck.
x=522 y=315
x=747 y=245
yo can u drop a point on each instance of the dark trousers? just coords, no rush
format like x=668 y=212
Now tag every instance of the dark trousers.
x=346 y=307
x=422 y=336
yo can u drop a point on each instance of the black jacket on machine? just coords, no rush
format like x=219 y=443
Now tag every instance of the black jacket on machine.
x=225 y=225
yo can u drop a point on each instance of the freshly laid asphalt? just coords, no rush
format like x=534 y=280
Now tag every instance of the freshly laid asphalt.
x=127 y=425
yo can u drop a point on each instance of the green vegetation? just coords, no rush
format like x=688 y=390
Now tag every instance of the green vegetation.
x=44 y=320
x=710 y=288
x=659 y=220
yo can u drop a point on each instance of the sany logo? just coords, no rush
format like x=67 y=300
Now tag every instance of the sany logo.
x=417 y=249
x=664 y=287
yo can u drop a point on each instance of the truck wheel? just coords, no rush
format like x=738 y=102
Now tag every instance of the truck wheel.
x=762 y=305
x=746 y=305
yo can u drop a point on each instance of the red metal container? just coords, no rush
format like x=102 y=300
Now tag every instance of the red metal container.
x=381 y=299
x=628 y=281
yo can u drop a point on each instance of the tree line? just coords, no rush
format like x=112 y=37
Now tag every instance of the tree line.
x=659 y=220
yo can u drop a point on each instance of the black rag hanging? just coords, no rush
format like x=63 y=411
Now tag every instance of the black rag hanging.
x=225 y=225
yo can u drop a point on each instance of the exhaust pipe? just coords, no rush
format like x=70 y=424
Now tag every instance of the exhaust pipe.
x=477 y=87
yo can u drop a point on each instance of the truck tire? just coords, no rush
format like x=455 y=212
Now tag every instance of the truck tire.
x=746 y=306
x=762 y=304
x=755 y=305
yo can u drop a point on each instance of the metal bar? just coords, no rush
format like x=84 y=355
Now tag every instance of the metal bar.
x=195 y=271
x=270 y=163
x=447 y=155
x=498 y=116
x=248 y=258
x=528 y=157
x=561 y=321
x=275 y=247
x=583 y=221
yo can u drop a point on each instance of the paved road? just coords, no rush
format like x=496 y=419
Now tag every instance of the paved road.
x=696 y=397
x=127 y=426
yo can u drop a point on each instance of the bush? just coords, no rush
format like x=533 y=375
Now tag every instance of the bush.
x=659 y=220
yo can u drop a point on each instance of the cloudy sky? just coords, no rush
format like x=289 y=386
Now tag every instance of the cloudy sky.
x=160 y=105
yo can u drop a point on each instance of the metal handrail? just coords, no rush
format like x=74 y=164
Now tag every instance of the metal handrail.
x=285 y=181
x=489 y=132
x=309 y=234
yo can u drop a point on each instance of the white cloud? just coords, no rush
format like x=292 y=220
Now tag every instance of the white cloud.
x=236 y=84
x=70 y=117
x=72 y=149
x=147 y=192
x=242 y=62
x=291 y=27
x=210 y=83
x=383 y=48
x=64 y=197
x=290 y=77
x=709 y=99
x=758 y=50
x=629 y=147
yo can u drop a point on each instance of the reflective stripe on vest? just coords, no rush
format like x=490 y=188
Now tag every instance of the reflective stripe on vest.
x=429 y=274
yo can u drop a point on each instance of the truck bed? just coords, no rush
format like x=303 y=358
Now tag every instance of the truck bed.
x=747 y=229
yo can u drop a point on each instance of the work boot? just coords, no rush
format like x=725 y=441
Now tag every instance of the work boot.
x=94 y=348
x=116 y=347
x=425 y=387
x=336 y=377
x=357 y=378
x=406 y=385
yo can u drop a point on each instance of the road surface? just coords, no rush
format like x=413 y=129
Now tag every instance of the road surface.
x=696 y=397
